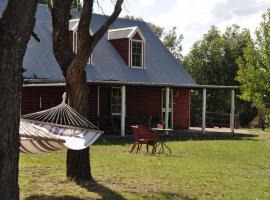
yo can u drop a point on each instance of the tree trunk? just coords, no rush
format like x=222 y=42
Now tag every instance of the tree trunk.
x=78 y=161
x=16 y=26
x=73 y=67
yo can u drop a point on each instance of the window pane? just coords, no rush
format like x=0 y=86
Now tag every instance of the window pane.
x=136 y=54
x=116 y=100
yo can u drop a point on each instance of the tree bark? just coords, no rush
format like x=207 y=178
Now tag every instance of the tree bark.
x=78 y=162
x=73 y=68
x=16 y=26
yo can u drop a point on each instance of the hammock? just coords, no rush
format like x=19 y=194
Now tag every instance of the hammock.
x=56 y=128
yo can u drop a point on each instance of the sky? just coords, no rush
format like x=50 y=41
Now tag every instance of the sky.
x=193 y=18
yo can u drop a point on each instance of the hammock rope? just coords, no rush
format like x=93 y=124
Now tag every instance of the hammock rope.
x=55 y=128
x=61 y=114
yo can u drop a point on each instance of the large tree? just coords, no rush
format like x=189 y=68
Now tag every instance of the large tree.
x=16 y=25
x=173 y=42
x=254 y=67
x=212 y=61
x=73 y=67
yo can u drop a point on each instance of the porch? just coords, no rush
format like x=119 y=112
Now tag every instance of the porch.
x=115 y=107
x=120 y=107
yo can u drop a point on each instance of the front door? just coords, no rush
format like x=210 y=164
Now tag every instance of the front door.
x=170 y=125
x=105 y=109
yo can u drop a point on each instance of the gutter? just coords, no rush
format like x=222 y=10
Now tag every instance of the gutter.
x=61 y=83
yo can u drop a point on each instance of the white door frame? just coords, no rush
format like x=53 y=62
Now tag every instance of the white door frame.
x=163 y=109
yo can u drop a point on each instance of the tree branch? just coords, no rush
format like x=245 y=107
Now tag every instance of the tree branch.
x=84 y=25
x=60 y=11
x=102 y=30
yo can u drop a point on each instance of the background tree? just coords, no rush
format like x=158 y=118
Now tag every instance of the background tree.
x=17 y=23
x=73 y=67
x=173 y=42
x=254 y=66
x=212 y=61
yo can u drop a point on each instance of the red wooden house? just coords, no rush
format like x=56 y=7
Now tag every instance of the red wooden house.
x=131 y=76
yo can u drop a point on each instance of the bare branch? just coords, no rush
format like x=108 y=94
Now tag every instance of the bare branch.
x=85 y=19
x=102 y=30
x=100 y=7
x=34 y=35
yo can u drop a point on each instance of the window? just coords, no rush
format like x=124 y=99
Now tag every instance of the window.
x=116 y=101
x=137 y=53
x=75 y=47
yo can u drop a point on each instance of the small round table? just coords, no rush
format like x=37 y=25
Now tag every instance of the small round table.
x=163 y=132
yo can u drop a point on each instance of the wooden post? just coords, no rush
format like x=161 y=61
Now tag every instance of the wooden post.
x=98 y=91
x=232 y=111
x=204 y=110
x=167 y=103
x=98 y=109
x=123 y=111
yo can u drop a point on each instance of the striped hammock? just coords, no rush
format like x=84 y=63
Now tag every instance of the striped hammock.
x=56 y=128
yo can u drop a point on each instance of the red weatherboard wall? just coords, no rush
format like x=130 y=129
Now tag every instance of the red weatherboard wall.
x=51 y=96
x=143 y=101
x=121 y=46
x=93 y=103
x=137 y=37
x=146 y=101
x=181 y=108
x=70 y=39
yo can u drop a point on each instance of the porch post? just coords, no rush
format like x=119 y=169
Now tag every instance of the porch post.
x=98 y=100
x=232 y=111
x=204 y=111
x=123 y=110
x=167 y=107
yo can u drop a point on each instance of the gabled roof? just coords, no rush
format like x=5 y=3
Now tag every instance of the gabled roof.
x=161 y=67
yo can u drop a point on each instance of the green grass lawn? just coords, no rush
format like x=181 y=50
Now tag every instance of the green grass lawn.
x=225 y=168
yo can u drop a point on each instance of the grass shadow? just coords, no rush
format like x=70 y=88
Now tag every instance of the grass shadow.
x=196 y=135
x=52 y=197
x=104 y=192
x=114 y=140
x=179 y=135
x=170 y=195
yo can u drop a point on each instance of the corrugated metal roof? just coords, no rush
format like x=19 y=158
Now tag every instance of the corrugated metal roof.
x=161 y=67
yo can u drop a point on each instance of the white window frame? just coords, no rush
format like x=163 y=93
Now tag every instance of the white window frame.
x=75 y=46
x=75 y=42
x=163 y=110
x=118 y=113
x=143 y=53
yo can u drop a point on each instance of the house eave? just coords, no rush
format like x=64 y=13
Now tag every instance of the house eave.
x=55 y=83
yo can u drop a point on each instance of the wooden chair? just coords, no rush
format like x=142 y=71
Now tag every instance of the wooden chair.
x=143 y=135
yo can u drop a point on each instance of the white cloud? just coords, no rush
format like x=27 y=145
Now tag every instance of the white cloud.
x=193 y=18
x=146 y=3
